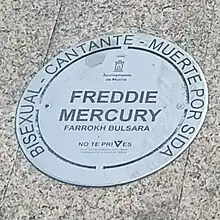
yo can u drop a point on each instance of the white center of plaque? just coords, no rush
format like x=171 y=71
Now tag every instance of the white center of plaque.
x=112 y=110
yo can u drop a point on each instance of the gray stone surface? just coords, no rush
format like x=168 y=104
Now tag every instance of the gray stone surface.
x=33 y=31
x=25 y=31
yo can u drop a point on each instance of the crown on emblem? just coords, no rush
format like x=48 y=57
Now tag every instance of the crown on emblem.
x=119 y=66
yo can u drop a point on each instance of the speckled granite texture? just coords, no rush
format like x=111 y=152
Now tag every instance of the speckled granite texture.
x=33 y=31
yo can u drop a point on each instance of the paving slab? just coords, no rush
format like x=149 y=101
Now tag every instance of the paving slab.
x=201 y=191
x=25 y=30
x=184 y=189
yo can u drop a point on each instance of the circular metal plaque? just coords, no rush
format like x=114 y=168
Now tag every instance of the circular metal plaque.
x=111 y=110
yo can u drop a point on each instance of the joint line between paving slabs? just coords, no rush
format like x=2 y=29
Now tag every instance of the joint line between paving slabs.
x=182 y=185
x=209 y=32
x=52 y=34
x=9 y=179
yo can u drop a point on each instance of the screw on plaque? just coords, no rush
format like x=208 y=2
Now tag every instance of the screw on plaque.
x=180 y=106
